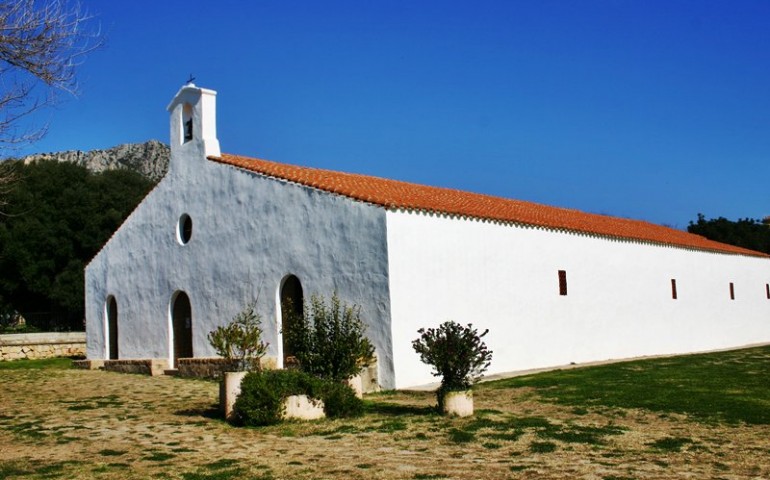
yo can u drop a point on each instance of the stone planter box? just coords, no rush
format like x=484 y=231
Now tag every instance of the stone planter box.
x=296 y=407
x=459 y=404
x=301 y=407
x=229 y=389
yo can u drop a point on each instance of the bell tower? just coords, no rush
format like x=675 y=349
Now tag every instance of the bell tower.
x=193 y=124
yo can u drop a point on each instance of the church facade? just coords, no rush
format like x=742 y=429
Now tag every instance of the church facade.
x=554 y=286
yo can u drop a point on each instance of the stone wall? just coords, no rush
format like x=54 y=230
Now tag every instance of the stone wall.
x=213 y=367
x=42 y=345
x=144 y=366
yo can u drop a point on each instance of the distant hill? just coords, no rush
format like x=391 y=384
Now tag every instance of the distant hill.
x=149 y=159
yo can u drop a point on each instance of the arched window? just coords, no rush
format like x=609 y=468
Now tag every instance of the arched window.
x=291 y=301
x=111 y=312
x=184 y=229
x=187 y=122
x=181 y=327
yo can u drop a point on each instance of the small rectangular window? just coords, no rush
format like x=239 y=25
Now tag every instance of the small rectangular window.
x=562 y=282
x=767 y=290
x=673 y=288
x=732 y=291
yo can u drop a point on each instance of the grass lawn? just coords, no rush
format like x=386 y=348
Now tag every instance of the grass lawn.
x=45 y=364
x=731 y=387
x=699 y=416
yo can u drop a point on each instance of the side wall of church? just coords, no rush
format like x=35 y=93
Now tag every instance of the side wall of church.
x=248 y=233
x=618 y=304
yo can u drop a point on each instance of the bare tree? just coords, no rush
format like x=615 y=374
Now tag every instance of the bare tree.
x=41 y=44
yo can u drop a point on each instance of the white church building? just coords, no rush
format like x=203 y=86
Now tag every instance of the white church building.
x=552 y=285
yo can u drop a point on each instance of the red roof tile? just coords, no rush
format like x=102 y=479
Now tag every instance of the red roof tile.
x=393 y=194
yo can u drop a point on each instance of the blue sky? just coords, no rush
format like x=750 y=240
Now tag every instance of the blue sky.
x=655 y=110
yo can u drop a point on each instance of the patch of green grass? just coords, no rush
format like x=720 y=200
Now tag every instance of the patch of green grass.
x=487 y=411
x=221 y=464
x=518 y=468
x=670 y=444
x=721 y=466
x=461 y=436
x=428 y=476
x=542 y=447
x=107 y=452
x=727 y=387
x=183 y=450
x=580 y=434
x=42 y=364
x=32 y=430
x=55 y=469
x=235 y=473
x=391 y=425
x=510 y=436
x=529 y=422
x=491 y=445
x=159 y=456
x=365 y=466
x=11 y=469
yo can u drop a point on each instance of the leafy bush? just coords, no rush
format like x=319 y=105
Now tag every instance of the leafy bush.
x=262 y=395
x=328 y=340
x=457 y=354
x=340 y=400
x=241 y=339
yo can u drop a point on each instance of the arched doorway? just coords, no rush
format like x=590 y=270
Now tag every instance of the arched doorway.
x=292 y=301
x=112 y=328
x=181 y=322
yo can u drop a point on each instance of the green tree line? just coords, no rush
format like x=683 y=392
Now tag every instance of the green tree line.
x=56 y=218
x=746 y=232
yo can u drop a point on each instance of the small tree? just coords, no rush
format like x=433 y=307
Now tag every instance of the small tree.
x=241 y=339
x=41 y=45
x=328 y=340
x=457 y=354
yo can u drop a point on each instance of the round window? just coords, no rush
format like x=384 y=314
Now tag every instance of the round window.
x=184 y=230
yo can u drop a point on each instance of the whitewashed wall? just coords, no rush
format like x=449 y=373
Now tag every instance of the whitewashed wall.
x=249 y=232
x=619 y=301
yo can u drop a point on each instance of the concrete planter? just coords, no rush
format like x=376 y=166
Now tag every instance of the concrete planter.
x=301 y=407
x=229 y=389
x=356 y=383
x=459 y=404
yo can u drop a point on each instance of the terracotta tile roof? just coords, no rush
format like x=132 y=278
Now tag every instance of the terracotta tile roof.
x=393 y=194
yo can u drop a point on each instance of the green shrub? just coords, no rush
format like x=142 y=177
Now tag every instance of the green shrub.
x=457 y=354
x=262 y=395
x=241 y=339
x=340 y=400
x=328 y=340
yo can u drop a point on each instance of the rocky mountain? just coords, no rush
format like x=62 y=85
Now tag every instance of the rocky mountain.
x=149 y=158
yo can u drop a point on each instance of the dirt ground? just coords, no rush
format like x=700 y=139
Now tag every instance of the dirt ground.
x=93 y=424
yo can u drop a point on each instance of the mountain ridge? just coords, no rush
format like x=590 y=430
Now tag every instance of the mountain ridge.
x=150 y=158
